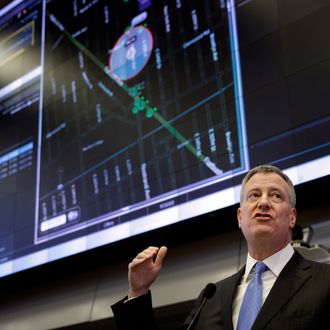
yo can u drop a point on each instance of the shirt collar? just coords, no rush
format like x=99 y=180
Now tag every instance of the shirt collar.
x=275 y=262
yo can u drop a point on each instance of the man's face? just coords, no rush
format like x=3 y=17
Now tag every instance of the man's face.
x=265 y=211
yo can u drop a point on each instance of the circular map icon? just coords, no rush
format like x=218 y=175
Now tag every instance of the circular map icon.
x=131 y=53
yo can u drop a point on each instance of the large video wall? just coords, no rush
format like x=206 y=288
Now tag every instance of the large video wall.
x=120 y=117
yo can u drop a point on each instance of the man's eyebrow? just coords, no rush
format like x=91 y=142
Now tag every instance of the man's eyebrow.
x=252 y=190
x=276 y=188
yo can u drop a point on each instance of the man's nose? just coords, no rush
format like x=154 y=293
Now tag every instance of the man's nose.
x=263 y=202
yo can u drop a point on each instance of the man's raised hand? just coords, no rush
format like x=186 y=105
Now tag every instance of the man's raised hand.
x=144 y=269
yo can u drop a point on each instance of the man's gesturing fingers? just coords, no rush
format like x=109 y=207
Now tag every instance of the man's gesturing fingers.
x=161 y=256
x=144 y=269
x=148 y=254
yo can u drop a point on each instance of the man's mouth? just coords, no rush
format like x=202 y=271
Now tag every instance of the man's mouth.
x=263 y=216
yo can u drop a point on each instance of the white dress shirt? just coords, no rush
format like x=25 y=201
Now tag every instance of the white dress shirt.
x=275 y=264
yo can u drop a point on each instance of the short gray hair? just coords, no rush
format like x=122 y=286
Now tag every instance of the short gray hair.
x=270 y=169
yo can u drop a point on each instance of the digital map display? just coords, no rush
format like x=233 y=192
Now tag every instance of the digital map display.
x=141 y=110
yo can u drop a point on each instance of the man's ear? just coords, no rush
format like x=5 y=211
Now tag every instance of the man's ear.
x=293 y=218
x=239 y=217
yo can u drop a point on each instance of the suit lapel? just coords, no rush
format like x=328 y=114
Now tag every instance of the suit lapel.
x=227 y=297
x=293 y=276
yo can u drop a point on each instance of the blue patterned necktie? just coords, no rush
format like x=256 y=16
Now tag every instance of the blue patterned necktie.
x=252 y=300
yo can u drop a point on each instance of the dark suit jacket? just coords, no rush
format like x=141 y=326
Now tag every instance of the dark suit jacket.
x=299 y=300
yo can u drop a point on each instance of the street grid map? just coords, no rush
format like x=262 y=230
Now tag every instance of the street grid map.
x=140 y=109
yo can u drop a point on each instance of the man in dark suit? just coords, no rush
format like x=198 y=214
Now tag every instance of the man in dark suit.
x=295 y=292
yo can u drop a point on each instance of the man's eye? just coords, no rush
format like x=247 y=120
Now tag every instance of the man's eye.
x=277 y=196
x=252 y=196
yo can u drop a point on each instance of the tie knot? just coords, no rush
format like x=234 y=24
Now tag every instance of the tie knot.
x=260 y=267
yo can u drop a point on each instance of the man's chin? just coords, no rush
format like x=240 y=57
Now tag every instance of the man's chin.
x=263 y=229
